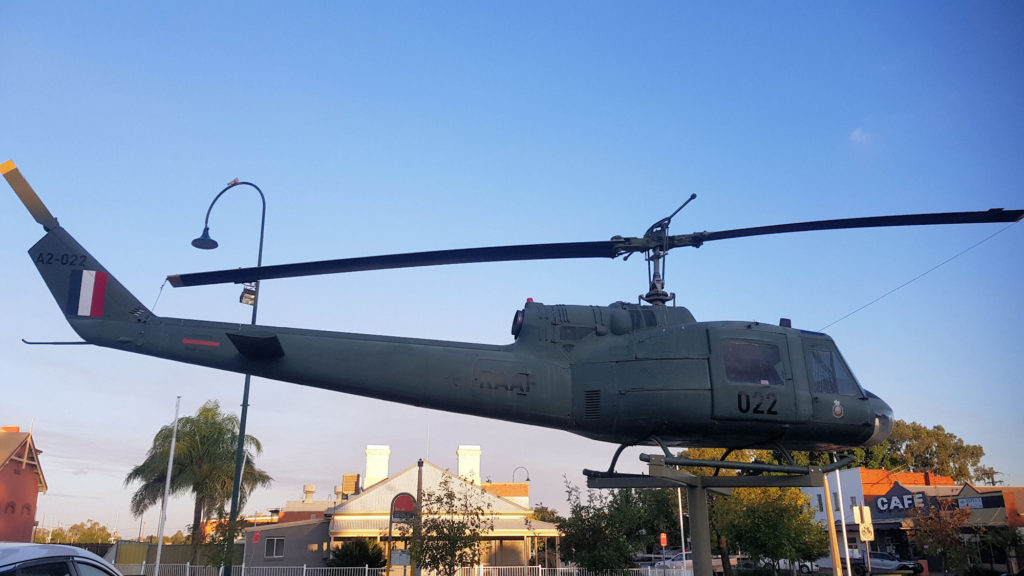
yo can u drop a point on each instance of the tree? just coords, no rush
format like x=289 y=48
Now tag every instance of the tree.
x=719 y=542
x=915 y=448
x=453 y=519
x=987 y=475
x=357 y=553
x=88 y=532
x=919 y=449
x=545 y=549
x=545 y=514
x=204 y=465
x=220 y=547
x=603 y=532
x=1002 y=539
x=936 y=532
x=659 y=513
x=772 y=523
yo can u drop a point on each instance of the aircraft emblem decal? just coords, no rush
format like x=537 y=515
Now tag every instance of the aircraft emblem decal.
x=837 y=409
x=87 y=290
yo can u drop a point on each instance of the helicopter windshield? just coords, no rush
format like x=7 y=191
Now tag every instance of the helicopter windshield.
x=828 y=372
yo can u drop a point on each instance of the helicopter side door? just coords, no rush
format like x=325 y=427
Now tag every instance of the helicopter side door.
x=751 y=375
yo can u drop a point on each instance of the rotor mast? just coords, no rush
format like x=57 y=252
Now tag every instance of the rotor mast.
x=656 y=236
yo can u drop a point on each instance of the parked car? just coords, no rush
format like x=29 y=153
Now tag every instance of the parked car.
x=801 y=567
x=686 y=559
x=783 y=566
x=20 y=559
x=678 y=561
x=885 y=562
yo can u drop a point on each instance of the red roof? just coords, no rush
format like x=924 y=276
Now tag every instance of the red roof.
x=879 y=482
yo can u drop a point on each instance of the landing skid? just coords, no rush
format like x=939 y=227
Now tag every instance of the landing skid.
x=665 y=471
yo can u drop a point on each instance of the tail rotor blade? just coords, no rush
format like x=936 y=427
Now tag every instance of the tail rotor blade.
x=28 y=196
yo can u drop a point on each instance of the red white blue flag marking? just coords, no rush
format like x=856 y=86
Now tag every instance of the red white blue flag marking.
x=86 y=293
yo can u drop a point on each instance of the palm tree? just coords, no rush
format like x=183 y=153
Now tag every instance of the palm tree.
x=204 y=465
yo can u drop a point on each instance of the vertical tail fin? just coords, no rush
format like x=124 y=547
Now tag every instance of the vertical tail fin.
x=81 y=286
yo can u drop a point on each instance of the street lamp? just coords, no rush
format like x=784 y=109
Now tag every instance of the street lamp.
x=250 y=293
x=523 y=468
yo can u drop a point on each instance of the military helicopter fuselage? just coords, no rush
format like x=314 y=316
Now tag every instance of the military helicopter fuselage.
x=623 y=373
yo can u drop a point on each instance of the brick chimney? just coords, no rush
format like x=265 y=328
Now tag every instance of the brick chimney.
x=469 y=463
x=377 y=460
x=350 y=484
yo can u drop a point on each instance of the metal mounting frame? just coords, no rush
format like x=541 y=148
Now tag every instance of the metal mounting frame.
x=664 y=472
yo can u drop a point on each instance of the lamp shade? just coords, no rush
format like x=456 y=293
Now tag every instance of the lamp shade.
x=204 y=242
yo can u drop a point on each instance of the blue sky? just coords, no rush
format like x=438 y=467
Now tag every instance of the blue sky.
x=414 y=126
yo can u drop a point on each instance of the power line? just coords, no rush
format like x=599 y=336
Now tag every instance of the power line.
x=921 y=275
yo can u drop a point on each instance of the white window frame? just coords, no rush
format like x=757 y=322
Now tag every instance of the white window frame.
x=273 y=548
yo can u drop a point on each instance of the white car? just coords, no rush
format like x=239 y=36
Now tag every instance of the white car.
x=883 y=561
x=682 y=560
x=21 y=559
x=678 y=561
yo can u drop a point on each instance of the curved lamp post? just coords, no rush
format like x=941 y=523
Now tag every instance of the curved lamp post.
x=250 y=296
x=518 y=468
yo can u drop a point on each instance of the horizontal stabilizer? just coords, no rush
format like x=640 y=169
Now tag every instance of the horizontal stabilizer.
x=267 y=346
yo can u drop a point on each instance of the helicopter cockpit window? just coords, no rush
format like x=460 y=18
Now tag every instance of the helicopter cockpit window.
x=829 y=374
x=749 y=362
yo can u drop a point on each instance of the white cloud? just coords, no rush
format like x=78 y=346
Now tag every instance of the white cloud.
x=860 y=137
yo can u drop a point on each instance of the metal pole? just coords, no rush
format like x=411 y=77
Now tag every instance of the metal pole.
x=682 y=528
x=167 y=490
x=418 y=526
x=697 y=500
x=842 y=518
x=833 y=545
x=239 y=454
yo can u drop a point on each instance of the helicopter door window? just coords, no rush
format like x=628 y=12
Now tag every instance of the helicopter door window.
x=753 y=363
x=829 y=374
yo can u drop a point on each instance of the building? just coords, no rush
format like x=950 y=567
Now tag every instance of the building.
x=886 y=494
x=21 y=481
x=894 y=497
x=296 y=510
x=365 y=513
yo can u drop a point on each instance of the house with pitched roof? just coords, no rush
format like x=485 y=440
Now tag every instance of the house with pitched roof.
x=514 y=539
x=21 y=481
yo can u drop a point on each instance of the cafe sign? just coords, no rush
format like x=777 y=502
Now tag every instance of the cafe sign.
x=896 y=503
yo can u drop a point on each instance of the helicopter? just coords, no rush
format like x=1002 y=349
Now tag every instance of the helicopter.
x=639 y=373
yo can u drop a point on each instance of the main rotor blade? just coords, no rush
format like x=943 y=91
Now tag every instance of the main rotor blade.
x=604 y=249
x=613 y=248
x=988 y=216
